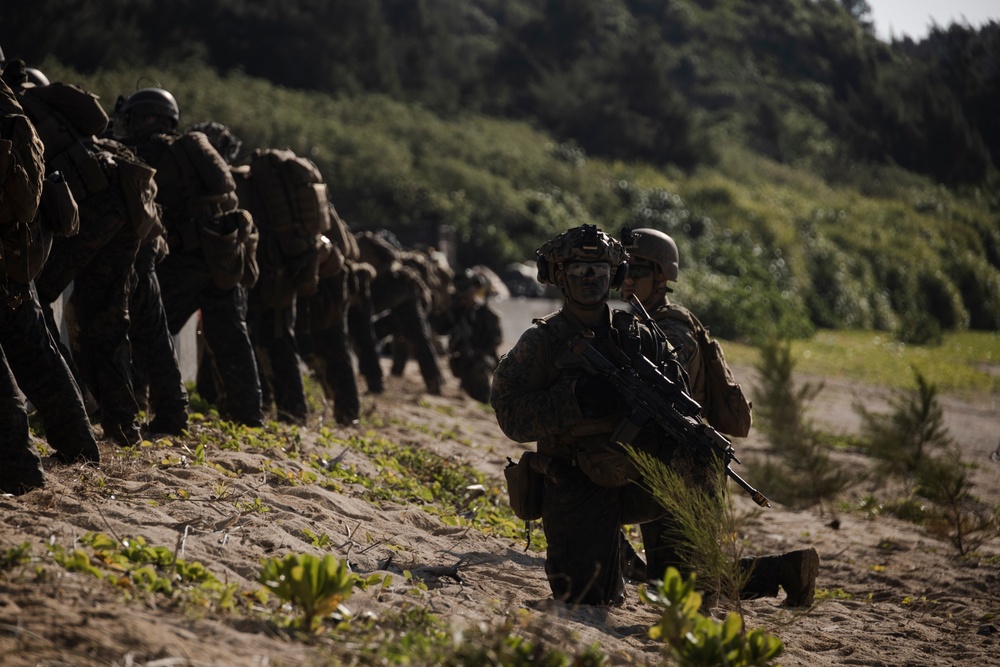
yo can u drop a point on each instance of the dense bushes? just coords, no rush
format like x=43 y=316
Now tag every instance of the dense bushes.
x=765 y=248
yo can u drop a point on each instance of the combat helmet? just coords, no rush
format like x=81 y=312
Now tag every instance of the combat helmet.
x=585 y=243
x=142 y=103
x=654 y=246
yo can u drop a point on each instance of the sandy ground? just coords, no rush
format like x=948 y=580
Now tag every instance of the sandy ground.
x=906 y=598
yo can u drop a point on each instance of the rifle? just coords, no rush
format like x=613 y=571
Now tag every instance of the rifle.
x=652 y=396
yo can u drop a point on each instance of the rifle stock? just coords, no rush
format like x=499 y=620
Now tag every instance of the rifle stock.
x=667 y=404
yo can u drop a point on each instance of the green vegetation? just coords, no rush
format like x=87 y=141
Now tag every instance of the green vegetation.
x=910 y=444
x=799 y=469
x=138 y=568
x=458 y=493
x=706 y=524
x=316 y=586
x=767 y=248
x=697 y=640
x=960 y=364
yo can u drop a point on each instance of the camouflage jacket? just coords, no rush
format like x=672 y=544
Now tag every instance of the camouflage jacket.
x=533 y=386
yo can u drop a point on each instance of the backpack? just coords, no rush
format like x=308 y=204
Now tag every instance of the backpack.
x=727 y=408
x=288 y=199
x=135 y=180
x=194 y=181
x=22 y=162
x=22 y=175
x=291 y=193
x=63 y=113
x=68 y=118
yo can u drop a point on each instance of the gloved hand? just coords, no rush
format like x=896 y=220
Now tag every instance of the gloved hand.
x=596 y=396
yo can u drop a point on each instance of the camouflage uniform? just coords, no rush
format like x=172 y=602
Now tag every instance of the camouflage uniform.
x=24 y=337
x=474 y=334
x=157 y=375
x=97 y=260
x=272 y=331
x=186 y=280
x=794 y=571
x=538 y=394
x=534 y=398
x=321 y=327
x=401 y=300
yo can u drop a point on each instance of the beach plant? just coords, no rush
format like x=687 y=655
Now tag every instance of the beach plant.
x=964 y=520
x=696 y=640
x=14 y=556
x=316 y=586
x=707 y=524
x=801 y=472
x=903 y=439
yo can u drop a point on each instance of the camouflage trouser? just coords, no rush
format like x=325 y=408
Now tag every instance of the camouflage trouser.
x=326 y=349
x=582 y=523
x=407 y=324
x=99 y=261
x=362 y=335
x=187 y=288
x=155 y=361
x=46 y=380
x=20 y=468
x=272 y=332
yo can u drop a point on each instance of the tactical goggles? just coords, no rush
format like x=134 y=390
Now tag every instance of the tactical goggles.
x=637 y=271
x=583 y=269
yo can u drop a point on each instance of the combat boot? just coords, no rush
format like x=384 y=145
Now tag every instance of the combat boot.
x=123 y=435
x=21 y=472
x=794 y=571
x=797 y=575
x=161 y=426
x=85 y=452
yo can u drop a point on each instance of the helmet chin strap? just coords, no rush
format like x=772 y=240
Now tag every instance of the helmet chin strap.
x=660 y=293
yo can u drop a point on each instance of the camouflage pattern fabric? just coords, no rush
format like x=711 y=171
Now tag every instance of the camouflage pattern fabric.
x=533 y=396
x=155 y=360
x=20 y=466
x=44 y=377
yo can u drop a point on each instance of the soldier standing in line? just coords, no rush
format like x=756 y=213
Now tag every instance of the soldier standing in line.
x=32 y=353
x=114 y=193
x=474 y=334
x=196 y=192
x=401 y=300
x=654 y=263
x=22 y=172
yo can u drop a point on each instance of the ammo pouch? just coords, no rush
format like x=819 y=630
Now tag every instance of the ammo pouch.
x=525 y=486
x=607 y=465
x=138 y=187
x=83 y=169
x=57 y=209
x=222 y=239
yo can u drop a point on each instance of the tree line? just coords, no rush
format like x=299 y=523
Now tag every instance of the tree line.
x=663 y=81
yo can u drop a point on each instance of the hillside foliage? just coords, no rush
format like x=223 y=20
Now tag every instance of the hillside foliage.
x=812 y=175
